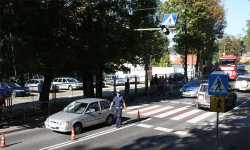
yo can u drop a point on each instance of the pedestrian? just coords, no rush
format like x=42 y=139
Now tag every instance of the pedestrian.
x=159 y=86
x=156 y=84
x=127 y=88
x=162 y=85
x=119 y=103
x=2 y=103
x=171 y=82
x=40 y=89
x=152 y=87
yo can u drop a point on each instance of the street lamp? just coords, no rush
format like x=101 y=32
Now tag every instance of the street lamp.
x=225 y=47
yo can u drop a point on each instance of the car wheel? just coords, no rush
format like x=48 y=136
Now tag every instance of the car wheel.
x=13 y=94
x=109 y=120
x=77 y=128
x=234 y=102
x=70 y=88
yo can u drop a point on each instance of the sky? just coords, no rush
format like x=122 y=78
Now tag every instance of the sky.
x=237 y=13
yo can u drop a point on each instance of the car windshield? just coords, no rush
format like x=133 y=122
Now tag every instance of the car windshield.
x=13 y=85
x=72 y=80
x=227 y=62
x=204 y=88
x=75 y=107
x=116 y=77
x=193 y=83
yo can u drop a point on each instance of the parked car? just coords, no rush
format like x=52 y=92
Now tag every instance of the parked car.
x=67 y=83
x=114 y=80
x=177 y=77
x=203 y=98
x=81 y=113
x=6 y=92
x=33 y=84
x=94 y=82
x=16 y=89
x=242 y=83
x=190 y=88
x=132 y=78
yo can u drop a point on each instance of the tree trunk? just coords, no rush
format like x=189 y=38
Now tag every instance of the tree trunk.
x=44 y=95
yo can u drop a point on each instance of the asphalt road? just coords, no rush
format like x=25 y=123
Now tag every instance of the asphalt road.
x=168 y=123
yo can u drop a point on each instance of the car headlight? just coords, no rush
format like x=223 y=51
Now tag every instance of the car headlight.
x=180 y=90
x=65 y=123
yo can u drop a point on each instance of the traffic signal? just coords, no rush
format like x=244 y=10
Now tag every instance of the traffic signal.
x=165 y=30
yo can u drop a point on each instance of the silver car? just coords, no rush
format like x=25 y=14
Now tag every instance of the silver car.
x=114 y=80
x=81 y=113
x=68 y=83
x=203 y=98
x=242 y=83
x=132 y=78
x=33 y=85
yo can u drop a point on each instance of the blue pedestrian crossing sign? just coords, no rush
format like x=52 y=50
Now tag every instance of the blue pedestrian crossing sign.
x=218 y=85
x=169 y=20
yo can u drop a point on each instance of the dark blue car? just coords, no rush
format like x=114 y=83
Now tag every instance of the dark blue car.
x=15 y=89
x=5 y=91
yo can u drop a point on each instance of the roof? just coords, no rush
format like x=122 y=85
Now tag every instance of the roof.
x=189 y=60
x=90 y=100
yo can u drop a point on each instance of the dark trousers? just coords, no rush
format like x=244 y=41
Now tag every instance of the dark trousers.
x=118 y=116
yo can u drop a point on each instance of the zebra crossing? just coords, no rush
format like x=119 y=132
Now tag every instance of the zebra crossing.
x=173 y=113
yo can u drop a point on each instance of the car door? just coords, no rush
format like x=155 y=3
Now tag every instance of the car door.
x=35 y=85
x=92 y=114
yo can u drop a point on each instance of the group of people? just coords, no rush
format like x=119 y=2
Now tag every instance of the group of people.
x=158 y=85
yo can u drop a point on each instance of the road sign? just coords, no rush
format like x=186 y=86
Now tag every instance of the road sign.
x=169 y=20
x=217 y=104
x=218 y=84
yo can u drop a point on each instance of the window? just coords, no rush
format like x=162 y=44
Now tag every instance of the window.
x=64 y=80
x=59 y=80
x=94 y=106
x=204 y=88
x=105 y=105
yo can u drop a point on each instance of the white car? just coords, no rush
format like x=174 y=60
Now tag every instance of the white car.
x=81 y=113
x=33 y=85
x=67 y=83
x=132 y=78
x=203 y=98
x=242 y=83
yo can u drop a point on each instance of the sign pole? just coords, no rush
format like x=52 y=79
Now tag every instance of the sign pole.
x=217 y=130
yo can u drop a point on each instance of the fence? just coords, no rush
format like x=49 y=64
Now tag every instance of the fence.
x=24 y=107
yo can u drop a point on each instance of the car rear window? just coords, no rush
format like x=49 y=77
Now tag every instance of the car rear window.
x=241 y=79
x=203 y=88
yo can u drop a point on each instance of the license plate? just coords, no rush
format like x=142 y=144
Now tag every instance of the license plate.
x=243 y=89
x=55 y=127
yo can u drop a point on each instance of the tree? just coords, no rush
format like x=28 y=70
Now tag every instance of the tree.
x=199 y=24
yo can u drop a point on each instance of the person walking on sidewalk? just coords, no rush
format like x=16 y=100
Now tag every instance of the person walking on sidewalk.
x=119 y=103
x=171 y=82
x=127 y=88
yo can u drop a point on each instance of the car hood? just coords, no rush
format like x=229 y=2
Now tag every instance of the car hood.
x=64 y=116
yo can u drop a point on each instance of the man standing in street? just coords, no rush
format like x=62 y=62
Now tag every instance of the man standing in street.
x=127 y=88
x=119 y=103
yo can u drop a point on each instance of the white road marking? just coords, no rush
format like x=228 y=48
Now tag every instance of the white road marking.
x=185 y=114
x=163 y=129
x=144 y=125
x=182 y=133
x=187 y=103
x=170 y=112
x=143 y=109
x=156 y=111
x=176 y=102
x=146 y=120
x=134 y=107
x=200 y=117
